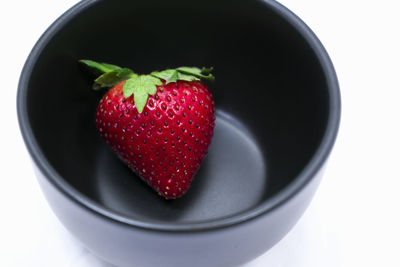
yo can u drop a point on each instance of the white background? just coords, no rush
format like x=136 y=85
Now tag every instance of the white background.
x=353 y=219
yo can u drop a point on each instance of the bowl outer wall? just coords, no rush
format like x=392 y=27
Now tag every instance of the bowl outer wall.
x=130 y=246
x=101 y=229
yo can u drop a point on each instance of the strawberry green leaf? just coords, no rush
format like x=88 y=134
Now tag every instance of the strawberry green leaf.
x=99 y=67
x=169 y=75
x=111 y=67
x=184 y=74
x=203 y=73
x=205 y=70
x=141 y=86
x=186 y=77
x=110 y=74
x=110 y=79
x=172 y=75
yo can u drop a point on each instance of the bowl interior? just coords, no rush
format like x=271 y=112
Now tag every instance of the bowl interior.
x=270 y=91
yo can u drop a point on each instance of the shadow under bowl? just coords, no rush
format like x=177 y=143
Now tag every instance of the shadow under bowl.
x=278 y=109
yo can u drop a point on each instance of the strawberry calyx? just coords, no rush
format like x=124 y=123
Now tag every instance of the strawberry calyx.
x=141 y=86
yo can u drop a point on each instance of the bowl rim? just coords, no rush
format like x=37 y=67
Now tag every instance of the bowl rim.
x=287 y=193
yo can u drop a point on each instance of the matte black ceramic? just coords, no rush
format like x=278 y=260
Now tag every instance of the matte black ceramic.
x=278 y=106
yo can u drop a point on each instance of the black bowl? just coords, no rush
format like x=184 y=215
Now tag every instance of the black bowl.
x=278 y=109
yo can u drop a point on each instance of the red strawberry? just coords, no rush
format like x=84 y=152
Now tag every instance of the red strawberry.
x=160 y=124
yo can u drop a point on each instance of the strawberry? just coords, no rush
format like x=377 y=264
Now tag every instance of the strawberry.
x=159 y=124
